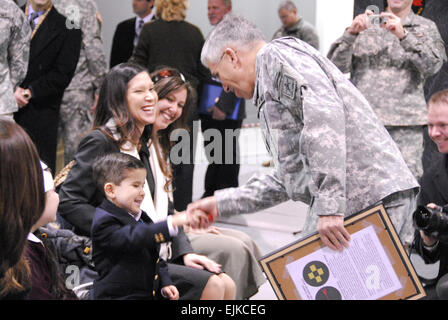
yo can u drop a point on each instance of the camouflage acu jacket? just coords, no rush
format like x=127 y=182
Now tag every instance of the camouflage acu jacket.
x=389 y=72
x=15 y=38
x=329 y=148
x=302 y=30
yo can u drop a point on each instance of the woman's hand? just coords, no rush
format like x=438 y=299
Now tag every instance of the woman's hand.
x=201 y=262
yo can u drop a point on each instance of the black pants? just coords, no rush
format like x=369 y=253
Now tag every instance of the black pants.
x=223 y=156
x=183 y=172
x=41 y=124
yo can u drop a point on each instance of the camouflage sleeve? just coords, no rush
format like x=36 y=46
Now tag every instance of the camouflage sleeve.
x=341 y=52
x=323 y=144
x=425 y=49
x=259 y=192
x=93 y=45
x=19 y=48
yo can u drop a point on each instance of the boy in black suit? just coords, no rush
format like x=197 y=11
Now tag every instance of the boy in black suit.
x=125 y=240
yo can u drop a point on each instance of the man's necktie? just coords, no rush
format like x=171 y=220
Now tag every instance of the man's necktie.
x=33 y=16
x=140 y=24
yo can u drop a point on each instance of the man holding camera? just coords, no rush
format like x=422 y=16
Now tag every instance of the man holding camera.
x=389 y=57
x=431 y=244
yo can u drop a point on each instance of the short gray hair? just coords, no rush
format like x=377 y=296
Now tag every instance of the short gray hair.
x=287 y=5
x=228 y=3
x=232 y=30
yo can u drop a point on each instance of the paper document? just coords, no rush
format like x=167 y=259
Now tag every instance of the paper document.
x=362 y=271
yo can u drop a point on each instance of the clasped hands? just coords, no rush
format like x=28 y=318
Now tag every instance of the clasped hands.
x=331 y=228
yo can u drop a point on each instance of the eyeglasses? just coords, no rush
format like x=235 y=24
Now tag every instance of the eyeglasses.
x=167 y=73
x=214 y=73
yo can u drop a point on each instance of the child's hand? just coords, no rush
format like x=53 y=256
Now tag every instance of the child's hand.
x=196 y=219
x=179 y=218
x=170 y=292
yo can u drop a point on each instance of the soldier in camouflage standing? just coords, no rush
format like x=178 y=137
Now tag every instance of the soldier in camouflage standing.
x=295 y=26
x=14 y=54
x=389 y=62
x=80 y=96
x=329 y=148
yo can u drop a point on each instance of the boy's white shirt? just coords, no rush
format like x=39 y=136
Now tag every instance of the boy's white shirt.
x=156 y=209
x=32 y=237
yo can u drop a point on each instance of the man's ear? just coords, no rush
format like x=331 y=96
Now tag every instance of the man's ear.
x=233 y=55
x=109 y=190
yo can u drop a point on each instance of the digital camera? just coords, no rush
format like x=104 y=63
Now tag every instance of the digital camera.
x=376 y=20
x=434 y=222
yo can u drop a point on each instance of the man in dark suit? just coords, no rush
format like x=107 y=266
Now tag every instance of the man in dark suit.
x=54 y=53
x=127 y=32
x=227 y=113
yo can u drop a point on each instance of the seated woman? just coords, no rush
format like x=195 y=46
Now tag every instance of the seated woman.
x=27 y=201
x=46 y=277
x=22 y=200
x=126 y=110
x=234 y=250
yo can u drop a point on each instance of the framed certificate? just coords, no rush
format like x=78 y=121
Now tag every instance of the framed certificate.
x=375 y=266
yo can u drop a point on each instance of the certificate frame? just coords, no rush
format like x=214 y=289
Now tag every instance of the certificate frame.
x=274 y=263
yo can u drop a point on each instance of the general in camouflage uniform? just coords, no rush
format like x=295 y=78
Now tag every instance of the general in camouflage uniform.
x=79 y=97
x=391 y=73
x=15 y=38
x=295 y=26
x=329 y=148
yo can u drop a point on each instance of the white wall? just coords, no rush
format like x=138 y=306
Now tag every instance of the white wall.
x=332 y=17
x=329 y=16
x=262 y=12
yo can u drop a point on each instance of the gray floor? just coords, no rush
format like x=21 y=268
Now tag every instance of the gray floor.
x=274 y=227
x=270 y=229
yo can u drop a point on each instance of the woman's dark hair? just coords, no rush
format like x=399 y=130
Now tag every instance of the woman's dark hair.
x=22 y=201
x=112 y=103
x=167 y=80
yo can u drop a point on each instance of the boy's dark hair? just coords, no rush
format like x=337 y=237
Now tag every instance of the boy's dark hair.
x=112 y=167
